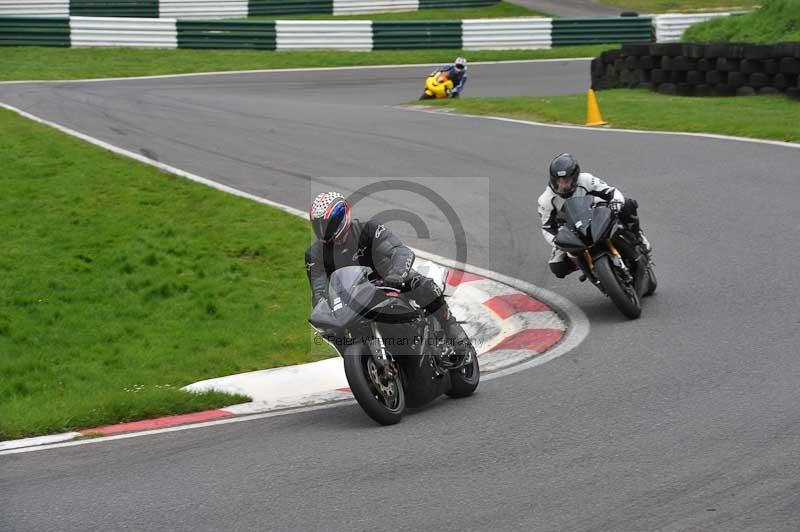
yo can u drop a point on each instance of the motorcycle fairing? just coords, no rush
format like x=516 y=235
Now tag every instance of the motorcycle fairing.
x=567 y=240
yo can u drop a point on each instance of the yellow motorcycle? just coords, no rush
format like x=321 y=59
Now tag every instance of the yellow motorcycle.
x=437 y=86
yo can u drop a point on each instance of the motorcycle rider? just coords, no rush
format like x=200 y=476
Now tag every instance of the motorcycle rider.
x=567 y=181
x=457 y=73
x=344 y=241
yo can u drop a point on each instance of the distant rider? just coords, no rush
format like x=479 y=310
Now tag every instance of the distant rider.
x=567 y=181
x=457 y=73
x=342 y=241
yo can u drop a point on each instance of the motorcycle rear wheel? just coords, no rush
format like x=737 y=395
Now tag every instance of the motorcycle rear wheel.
x=384 y=404
x=627 y=301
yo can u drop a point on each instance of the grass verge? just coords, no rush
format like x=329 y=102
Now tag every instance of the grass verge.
x=777 y=21
x=122 y=284
x=682 y=6
x=763 y=117
x=502 y=9
x=36 y=63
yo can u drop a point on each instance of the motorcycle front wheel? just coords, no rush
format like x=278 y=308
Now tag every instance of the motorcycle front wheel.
x=382 y=399
x=625 y=299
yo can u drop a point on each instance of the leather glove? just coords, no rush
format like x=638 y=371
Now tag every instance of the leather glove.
x=394 y=281
x=616 y=206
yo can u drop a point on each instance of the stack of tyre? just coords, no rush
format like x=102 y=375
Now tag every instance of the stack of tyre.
x=701 y=69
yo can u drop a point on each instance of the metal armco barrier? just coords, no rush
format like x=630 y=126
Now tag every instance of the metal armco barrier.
x=36 y=8
x=476 y=34
x=331 y=35
x=444 y=4
x=114 y=8
x=506 y=34
x=135 y=32
x=351 y=7
x=203 y=9
x=670 y=28
x=394 y=35
x=34 y=31
x=219 y=9
x=600 y=30
x=290 y=7
x=212 y=34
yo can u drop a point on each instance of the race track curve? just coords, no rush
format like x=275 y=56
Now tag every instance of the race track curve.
x=684 y=420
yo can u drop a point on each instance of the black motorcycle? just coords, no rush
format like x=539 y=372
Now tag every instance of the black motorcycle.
x=608 y=253
x=396 y=355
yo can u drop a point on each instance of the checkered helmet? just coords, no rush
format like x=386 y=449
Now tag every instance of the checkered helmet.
x=330 y=216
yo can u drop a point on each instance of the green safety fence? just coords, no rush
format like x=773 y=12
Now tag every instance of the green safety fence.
x=210 y=34
x=290 y=7
x=386 y=34
x=393 y=35
x=601 y=30
x=447 y=4
x=34 y=31
x=114 y=8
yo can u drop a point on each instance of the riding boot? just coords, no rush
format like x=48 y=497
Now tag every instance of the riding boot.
x=633 y=223
x=454 y=332
x=647 y=246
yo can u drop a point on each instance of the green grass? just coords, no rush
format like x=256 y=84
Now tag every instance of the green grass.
x=765 y=117
x=36 y=63
x=502 y=9
x=122 y=284
x=777 y=21
x=682 y=6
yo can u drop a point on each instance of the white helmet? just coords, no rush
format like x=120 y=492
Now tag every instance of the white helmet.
x=460 y=63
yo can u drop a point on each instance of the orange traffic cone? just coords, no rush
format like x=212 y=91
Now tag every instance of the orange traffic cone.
x=593 y=116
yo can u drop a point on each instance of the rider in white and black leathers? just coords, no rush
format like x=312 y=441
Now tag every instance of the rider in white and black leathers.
x=343 y=241
x=567 y=181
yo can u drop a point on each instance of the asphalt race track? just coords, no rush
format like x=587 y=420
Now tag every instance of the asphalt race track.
x=684 y=420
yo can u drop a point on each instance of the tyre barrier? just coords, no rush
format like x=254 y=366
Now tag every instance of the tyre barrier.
x=701 y=69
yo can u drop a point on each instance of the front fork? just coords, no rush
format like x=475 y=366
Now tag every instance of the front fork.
x=377 y=347
x=616 y=258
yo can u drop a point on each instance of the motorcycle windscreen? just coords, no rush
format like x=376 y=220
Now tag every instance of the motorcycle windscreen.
x=602 y=221
x=578 y=213
x=322 y=317
x=350 y=292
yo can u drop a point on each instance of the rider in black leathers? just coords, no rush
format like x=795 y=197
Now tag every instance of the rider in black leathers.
x=342 y=241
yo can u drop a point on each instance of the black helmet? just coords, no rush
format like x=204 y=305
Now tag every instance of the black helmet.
x=564 y=166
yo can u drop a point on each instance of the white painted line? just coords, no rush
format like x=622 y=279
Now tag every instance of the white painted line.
x=428 y=110
x=39 y=440
x=287 y=383
x=280 y=70
x=223 y=421
x=577 y=322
